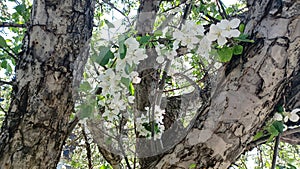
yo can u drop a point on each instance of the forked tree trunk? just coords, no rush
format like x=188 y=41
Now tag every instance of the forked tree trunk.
x=246 y=91
x=48 y=73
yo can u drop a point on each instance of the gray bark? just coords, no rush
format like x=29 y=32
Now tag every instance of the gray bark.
x=48 y=73
x=246 y=90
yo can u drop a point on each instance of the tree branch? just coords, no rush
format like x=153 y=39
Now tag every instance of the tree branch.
x=10 y=54
x=87 y=147
x=264 y=139
x=14 y=25
x=72 y=125
x=115 y=8
x=277 y=141
x=2 y=109
x=5 y=83
x=221 y=9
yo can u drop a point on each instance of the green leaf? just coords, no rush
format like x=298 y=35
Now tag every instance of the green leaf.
x=278 y=126
x=4 y=64
x=122 y=50
x=158 y=33
x=243 y=38
x=280 y=109
x=125 y=81
x=86 y=110
x=104 y=55
x=2 y=42
x=258 y=135
x=85 y=86
x=225 y=54
x=192 y=166
x=109 y=24
x=9 y=69
x=242 y=27
x=273 y=131
x=238 y=49
x=131 y=89
x=122 y=47
x=145 y=39
x=20 y=9
x=105 y=166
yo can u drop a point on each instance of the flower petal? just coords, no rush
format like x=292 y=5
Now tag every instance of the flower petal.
x=221 y=40
x=234 y=23
x=234 y=33
x=211 y=37
x=277 y=117
x=160 y=59
x=224 y=24
x=294 y=117
x=295 y=110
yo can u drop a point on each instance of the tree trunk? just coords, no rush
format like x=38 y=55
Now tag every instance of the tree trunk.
x=246 y=90
x=48 y=72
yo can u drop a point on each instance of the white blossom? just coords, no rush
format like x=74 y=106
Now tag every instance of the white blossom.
x=224 y=29
x=278 y=117
x=216 y=33
x=131 y=99
x=292 y=116
x=295 y=111
x=204 y=47
x=136 y=80
x=228 y=27
x=160 y=59
x=131 y=43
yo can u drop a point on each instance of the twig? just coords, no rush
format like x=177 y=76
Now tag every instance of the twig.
x=115 y=8
x=5 y=83
x=88 y=148
x=171 y=8
x=2 y=109
x=264 y=139
x=10 y=54
x=187 y=11
x=277 y=141
x=221 y=9
x=120 y=142
x=72 y=125
x=166 y=22
x=15 y=25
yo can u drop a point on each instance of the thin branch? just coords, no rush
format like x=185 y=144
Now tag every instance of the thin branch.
x=221 y=9
x=88 y=148
x=10 y=54
x=115 y=8
x=2 y=109
x=166 y=22
x=72 y=125
x=264 y=139
x=277 y=141
x=171 y=8
x=5 y=83
x=187 y=11
x=14 y=25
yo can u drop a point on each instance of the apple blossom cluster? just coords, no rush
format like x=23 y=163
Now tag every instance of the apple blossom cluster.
x=114 y=81
x=158 y=120
x=222 y=30
x=117 y=97
x=193 y=36
x=116 y=94
x=285 y=116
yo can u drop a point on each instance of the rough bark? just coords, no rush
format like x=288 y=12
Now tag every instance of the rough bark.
x=147 y=69
x=48 y=72
x=246 y=90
